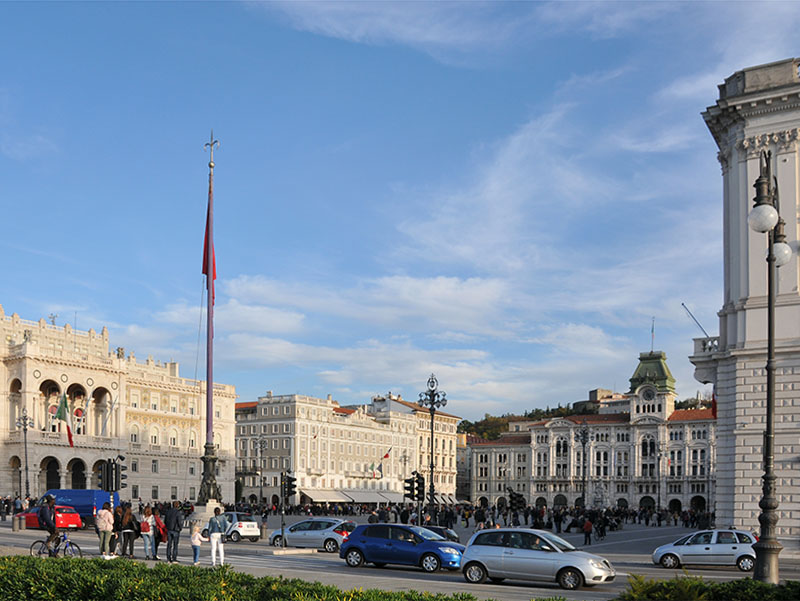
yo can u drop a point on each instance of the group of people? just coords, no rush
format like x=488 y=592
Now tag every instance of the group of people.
x=118 y=529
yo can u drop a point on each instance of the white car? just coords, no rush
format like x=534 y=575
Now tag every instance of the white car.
x=320 y=533
x=710 y=547
x=240 y=525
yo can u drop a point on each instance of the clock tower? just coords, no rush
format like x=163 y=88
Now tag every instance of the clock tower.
x=652 y=392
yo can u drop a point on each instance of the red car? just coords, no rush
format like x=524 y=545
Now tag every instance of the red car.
x=66 y=517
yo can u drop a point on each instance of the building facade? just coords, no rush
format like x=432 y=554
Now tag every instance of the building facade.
x=757 y=110
x=648 y=456
x=359 y=453
x=142 y=410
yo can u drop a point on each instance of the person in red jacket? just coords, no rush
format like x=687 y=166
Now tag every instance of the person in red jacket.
x=587 y=532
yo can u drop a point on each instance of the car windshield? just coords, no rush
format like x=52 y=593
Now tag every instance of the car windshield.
x=425 y=533
x=246 y=518
x=558 y=542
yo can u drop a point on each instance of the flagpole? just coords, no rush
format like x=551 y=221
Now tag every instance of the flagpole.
x=209 y=489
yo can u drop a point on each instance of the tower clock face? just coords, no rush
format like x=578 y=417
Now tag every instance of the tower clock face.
x=648 y=394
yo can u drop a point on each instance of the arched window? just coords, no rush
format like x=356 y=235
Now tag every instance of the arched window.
x=154 y=435
x=134 y=433
x=173 y=438
x=192 y=440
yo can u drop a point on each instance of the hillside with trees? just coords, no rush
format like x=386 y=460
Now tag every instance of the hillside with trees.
x=490 y=427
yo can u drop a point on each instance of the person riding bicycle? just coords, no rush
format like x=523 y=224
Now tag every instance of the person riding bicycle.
x=601 y=527
x=47 y=520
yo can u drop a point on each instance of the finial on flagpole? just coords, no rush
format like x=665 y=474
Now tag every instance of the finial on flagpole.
x=210 y=145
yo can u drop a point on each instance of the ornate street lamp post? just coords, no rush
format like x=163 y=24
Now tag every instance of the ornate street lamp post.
x=25 y=422
x=433 y=399
x=582 y=436
x=765 y=218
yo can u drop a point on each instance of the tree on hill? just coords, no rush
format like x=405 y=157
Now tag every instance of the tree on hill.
x=490 y=427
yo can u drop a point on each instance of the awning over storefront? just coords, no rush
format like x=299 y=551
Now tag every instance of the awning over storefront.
x=365 y=496
x=451 y=500
x=392 y=497
x=322 y=495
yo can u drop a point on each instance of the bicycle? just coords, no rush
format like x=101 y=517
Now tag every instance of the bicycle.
x=69 y=549
x=598 y=535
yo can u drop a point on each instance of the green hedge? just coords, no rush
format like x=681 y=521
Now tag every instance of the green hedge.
x=694 y=588
x=35 y=579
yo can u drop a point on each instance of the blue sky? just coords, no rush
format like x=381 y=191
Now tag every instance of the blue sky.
x=502 y=194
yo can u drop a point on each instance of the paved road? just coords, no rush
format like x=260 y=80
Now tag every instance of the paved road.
x=628 y=550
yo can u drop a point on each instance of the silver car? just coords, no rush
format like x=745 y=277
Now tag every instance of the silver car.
x=527 y=554
x=317 y=533
x=710 y=547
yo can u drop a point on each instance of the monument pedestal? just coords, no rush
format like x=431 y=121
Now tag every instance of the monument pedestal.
x=203 y=513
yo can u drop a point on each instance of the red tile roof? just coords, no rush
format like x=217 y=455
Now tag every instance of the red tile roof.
x=600 y=418
x=505 y=440
x=247 y=405
x=343 y=410
x=690 y=415
x=418 y=408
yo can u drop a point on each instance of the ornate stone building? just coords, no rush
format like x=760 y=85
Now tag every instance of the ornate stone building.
x=142 y=410
x=758 y=109
x=650 y=455
x=359 y=453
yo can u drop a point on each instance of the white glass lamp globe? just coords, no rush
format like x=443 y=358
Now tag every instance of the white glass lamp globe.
x=783 y=253
x=762 y=218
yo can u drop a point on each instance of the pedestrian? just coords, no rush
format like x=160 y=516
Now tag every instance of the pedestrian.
x=129 y=526
x=160 y=533
x=147 y=528
x=197 y=538
x=173 y=520
x=587 y=532
x=217 y=527
x=105 y=525
x=116 y=539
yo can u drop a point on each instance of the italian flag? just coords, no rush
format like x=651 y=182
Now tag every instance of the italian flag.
x=63 y=414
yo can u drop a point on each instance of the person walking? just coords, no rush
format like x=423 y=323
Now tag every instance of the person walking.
x=217 y=526
x=197 y=539
x=587 y=532
x=116 y=539
x=105 y=524
x=159 y=533
x=173 y=520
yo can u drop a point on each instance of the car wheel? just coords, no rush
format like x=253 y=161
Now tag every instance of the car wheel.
x=570 y=579
x=204 y=533
x=253 y=539
x=430 y=563
x=745 y=563
x=354 y=558
x=236 y=537
x=331 y=546
x=474 y=573
x=496 y=580
x=277 y=541
x=670 y=561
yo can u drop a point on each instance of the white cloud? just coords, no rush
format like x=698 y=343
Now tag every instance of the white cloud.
x=602 y=19
x=26 y=146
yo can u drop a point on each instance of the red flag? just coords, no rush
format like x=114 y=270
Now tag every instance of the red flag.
x=387 y=453
x=213 y=270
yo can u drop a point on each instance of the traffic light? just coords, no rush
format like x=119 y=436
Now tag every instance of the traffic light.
x=420 y=487
x=118 y=478
x=104 y=479
x=411 y=485
x=291 y=486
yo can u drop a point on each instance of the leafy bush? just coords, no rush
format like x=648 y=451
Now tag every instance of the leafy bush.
x=694 y=588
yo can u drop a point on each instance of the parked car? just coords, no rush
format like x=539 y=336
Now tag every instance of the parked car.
x=240 y=525
x=318 y=533
x=528 y=554
x=400 y=544
x=710 y=547
x=447 y=533
x=85 y=501
x=66 y=517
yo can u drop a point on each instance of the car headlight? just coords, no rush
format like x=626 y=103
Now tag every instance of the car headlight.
x=450 y=550
x=598 y=564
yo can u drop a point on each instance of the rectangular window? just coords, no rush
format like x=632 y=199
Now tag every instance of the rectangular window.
x=135 y=491
x=155 y=466
x=135 y=468
x=173 y=493
x=173 y=467
x=192 y=495
x=191 y=469
x=154 y=493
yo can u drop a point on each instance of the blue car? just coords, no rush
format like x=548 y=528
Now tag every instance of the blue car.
x=405 y=545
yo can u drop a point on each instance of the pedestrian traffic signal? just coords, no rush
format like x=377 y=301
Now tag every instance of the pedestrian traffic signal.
x=420 y=488
x=104 y=479
x=411 y=485
x=291 y=485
